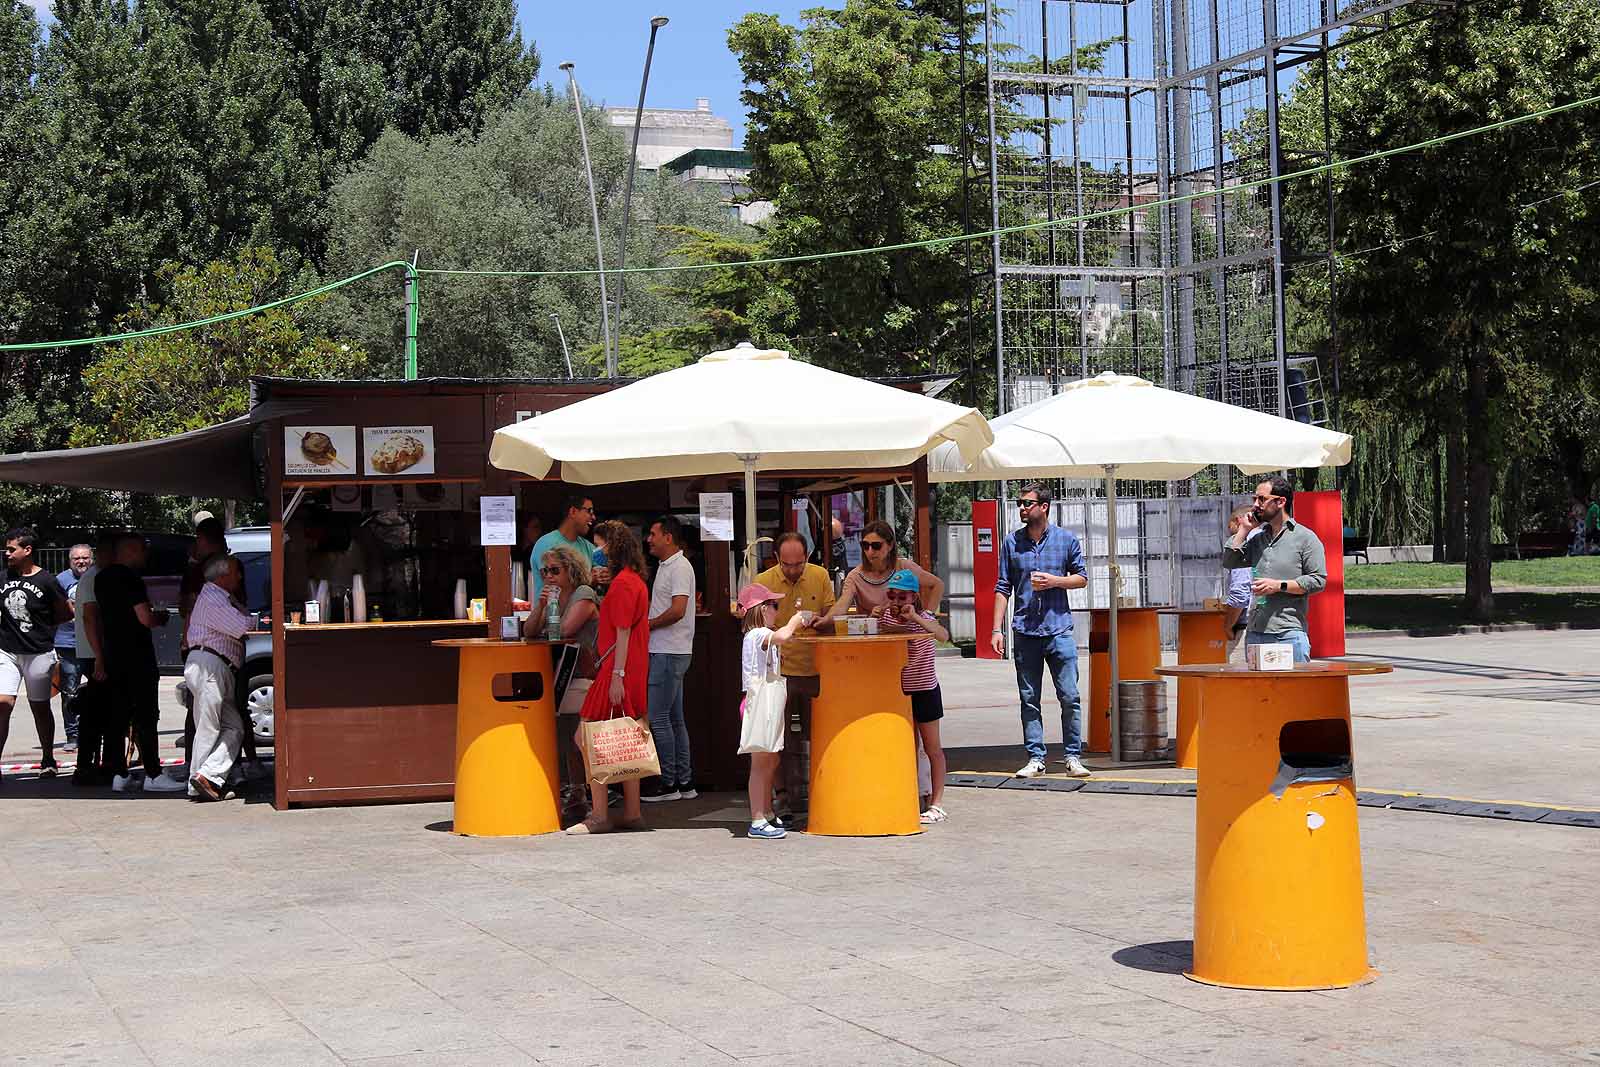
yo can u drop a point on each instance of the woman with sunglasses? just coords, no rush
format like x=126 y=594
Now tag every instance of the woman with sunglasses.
x=867 y=587
x=566 y=578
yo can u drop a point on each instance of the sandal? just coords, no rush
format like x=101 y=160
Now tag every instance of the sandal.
x=934 y=814
x=635 y=825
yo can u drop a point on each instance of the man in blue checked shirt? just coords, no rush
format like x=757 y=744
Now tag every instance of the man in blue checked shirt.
x=1039 y=563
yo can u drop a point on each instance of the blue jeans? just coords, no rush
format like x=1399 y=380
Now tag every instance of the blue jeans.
x=71 y=681
x=666 y=717
x=1297 y=638
x=1061 y=652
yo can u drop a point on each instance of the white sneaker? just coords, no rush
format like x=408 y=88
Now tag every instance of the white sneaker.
x=165 y=783
x=1032 y=769
x=122 y=783
x=686 y=792
x=1073 y=767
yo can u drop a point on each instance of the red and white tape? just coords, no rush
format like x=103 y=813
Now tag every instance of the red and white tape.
x=67 y=768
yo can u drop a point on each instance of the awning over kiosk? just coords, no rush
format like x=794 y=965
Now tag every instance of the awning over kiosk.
x=216 y=461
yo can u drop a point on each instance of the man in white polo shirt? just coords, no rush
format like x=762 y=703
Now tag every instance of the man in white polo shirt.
x=671 y=648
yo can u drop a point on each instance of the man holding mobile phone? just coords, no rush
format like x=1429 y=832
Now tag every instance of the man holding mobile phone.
x=1287 y=563
x=1039 y=563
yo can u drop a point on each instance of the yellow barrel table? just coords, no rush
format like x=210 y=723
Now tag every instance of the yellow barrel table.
x=508 y=773
x=1202 y=638
x=1277 y=885
x=863 y=742
x=1138 y=656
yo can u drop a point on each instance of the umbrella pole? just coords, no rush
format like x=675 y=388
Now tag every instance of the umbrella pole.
x=749 y=518
x=1116 y=593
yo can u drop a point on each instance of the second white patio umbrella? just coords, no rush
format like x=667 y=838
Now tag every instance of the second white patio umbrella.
x=1117 y=426
x=739 y=411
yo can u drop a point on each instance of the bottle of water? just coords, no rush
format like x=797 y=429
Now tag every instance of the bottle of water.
x=552 y=620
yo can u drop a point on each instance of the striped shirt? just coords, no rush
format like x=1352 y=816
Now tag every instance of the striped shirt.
x=218 y=624
x=918 y=675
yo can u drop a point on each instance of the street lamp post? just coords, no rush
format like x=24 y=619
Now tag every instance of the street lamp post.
x=594 y=211
x=563 y=335
x=633 y=162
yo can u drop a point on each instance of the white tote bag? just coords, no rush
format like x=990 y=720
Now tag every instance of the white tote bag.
x=762 y=730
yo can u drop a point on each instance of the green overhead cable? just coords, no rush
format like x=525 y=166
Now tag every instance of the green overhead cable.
x=228 y=316
x=935 y=242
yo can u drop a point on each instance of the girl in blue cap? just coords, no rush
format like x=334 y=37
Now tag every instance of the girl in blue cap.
x=903 y=613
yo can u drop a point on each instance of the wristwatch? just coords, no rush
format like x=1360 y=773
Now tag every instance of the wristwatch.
x=1283 y=587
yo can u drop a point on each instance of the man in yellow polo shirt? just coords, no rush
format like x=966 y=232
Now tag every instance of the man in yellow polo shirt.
x=803 y=586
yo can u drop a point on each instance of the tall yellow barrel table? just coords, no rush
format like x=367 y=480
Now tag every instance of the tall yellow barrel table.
x=508 y=774
x=863 y=742
x=1138 y=656
x=1202 y=638
x=1277 y=883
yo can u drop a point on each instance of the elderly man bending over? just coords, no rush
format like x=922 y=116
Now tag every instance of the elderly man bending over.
x=215 y=639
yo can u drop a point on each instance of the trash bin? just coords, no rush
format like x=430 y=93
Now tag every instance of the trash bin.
x=1278 y=889
x=508 y=771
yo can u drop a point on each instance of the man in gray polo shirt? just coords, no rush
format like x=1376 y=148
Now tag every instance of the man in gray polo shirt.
x=1287 y=564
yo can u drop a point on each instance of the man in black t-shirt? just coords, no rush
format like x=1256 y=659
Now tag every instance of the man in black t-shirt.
x=128 y=664
x=32 y=605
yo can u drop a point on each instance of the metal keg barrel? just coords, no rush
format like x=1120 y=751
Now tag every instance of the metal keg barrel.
x=1143 y=719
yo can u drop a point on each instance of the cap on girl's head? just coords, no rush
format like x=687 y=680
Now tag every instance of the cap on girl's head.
x=905 y=581
x=752 y=595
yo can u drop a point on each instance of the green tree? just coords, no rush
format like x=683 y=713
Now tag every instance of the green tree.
x=158 y=386
x=513 y=197
x=1477 y=269
x=853 y=123
x=361 y=67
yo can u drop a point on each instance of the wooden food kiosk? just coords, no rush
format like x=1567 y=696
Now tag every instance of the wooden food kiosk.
x=382 y=479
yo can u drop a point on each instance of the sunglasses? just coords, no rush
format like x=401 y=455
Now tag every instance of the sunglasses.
x=549 y=572
x=1024 y=505
x=874 y=546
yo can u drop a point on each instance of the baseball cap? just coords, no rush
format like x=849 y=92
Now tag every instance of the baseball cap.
x=905 y=581
x=752 y=595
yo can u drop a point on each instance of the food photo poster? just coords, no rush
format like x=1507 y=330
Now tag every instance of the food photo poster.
x=393 y=450
x=319 y=451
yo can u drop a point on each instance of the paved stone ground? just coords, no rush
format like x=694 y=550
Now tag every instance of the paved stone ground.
x=1031 y=928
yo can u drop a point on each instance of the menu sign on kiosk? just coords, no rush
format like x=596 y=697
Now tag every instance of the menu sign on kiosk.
x=391 y=450
x=319 y=451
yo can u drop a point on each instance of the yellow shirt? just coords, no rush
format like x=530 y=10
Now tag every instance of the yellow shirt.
x=813 y=592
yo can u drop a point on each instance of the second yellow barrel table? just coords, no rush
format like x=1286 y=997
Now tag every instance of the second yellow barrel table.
x=1278 y=899
x=863 y=742
x=508 y=773
x=1202 y=638
x=1138 y=656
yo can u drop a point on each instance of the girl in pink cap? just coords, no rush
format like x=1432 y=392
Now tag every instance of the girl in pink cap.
x=762 y=671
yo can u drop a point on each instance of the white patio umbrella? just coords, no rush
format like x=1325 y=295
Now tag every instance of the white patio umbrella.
x=739 y=411
x=1117 y=426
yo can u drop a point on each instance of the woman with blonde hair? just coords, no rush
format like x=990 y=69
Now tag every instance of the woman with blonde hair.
x=624 y=665
x=566 y=578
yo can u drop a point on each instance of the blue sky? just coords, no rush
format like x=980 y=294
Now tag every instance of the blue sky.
x=606 y=39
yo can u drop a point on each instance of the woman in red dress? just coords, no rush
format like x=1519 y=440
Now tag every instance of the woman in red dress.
x=622 y=684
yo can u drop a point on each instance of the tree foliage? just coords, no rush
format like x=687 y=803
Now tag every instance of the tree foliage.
x=158 y=386
x=1469 y=288
x=515 y=197
x=853 y=130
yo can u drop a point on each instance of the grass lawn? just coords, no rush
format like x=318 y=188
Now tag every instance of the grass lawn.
x=1431 y=612
x=1559 y=570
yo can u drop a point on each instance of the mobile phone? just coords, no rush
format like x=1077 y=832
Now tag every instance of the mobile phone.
x=599 y=559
